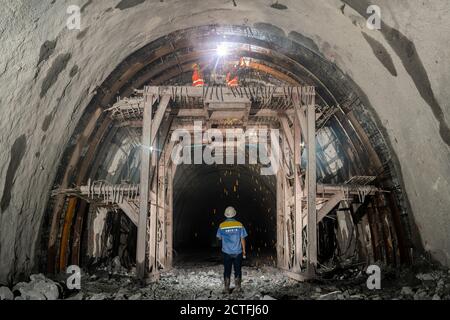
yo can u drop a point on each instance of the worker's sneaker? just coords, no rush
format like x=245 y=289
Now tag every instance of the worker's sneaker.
x=226 y=289
x=237 y=285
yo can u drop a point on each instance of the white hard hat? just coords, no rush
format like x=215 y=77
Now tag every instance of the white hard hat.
x=230 y=212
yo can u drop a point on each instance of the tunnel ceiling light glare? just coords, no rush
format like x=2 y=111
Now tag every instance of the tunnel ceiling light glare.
x=222 y=50
x=151 y=149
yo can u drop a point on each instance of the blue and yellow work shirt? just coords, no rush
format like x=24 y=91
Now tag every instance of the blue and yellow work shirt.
x=231 y=232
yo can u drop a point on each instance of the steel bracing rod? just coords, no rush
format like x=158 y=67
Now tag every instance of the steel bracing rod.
x=311 y=187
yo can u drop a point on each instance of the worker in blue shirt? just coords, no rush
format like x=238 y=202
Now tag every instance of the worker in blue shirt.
x=233 y=234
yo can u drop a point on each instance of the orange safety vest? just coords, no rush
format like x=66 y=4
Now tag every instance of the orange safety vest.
x=232 y=82
x=197 y=79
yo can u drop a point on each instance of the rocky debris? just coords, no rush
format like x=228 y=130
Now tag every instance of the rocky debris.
x=335 y=295
x=427 y=276
x=260 y=282
x=421 y=294
x=407 y=292
x=137 y=296
x=116 y=266
x=98 y=297
x=199 y=283
x=6 y=294
x=78 y=297
x=39 y=288
x=204 y=282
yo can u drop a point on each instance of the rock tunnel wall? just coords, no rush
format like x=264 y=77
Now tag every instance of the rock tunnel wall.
x=49 y=75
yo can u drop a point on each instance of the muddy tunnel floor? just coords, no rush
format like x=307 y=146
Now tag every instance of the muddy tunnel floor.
x=193 y=280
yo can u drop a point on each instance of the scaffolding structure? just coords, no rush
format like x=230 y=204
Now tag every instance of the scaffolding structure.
x=301 y=202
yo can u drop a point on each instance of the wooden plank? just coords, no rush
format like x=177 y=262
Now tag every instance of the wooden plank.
x=144 y=188
x=312 y=187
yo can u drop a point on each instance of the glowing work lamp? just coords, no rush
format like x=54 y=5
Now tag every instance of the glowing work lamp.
x=222 y=50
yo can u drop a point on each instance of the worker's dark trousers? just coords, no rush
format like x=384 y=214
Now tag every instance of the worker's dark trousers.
x=230 y=261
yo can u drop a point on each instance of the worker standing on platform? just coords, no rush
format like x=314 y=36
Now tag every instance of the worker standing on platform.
x=233 y=235
x=232 y=78
x=197 y=76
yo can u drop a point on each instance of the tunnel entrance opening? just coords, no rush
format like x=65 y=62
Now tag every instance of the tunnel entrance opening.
x=201 y=195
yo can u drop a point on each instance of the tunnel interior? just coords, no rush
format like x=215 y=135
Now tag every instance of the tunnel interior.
x=70 y=170
x=349 y=142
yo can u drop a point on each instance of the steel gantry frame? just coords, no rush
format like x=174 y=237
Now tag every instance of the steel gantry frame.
x=301 y=202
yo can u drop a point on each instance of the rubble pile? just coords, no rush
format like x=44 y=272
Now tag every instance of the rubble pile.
x=39 y=288
x=204 y=282
x=266 y=283
x=198 y=283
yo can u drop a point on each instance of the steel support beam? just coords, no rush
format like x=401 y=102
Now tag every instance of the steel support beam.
x=298 y=192
x=312 y=187
x=169 y=218
x=330 y=205
x=326 y=208
x=145 y=185
x=280 y=220
x=159 y=116
x=130 y=211
x=284 y=121
x=299 y=114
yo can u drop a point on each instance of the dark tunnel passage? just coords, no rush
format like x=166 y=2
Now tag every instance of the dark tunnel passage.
x=201 y=195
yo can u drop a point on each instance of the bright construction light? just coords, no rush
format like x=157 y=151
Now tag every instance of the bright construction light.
x=222 y=50
x=151 y=149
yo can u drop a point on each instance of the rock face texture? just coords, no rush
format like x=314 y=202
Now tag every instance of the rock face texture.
x=49 y=74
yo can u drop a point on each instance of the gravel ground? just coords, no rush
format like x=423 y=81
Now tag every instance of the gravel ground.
x=199 y=282
x=202 y=280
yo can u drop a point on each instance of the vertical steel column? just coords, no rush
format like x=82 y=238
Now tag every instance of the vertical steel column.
x=169 y=218
x=145 y=185
x=162 y=212
x=153 y=223
x=280 y=211
x=311 y=182
x=287 y=214
x=298 y=192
